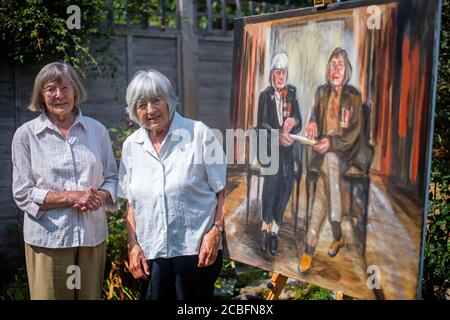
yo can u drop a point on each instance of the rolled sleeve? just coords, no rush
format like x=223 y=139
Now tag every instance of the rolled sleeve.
x=111 y=204
x=38 y=195
x=34 y=210
x=26 y=195
x=216 y=177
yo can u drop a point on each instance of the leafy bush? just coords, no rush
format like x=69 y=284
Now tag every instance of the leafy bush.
x=36 y=30
x=119 y=283
x=18 y=289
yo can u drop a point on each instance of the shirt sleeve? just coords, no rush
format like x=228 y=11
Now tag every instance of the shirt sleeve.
x=215 y=160
x=124 y=175
x=26 y=195
x=110 y=172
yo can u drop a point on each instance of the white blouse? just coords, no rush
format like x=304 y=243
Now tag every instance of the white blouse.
x=173 y=195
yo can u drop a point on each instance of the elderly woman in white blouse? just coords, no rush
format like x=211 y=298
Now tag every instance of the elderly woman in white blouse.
x=64 y=174
x=174 y=184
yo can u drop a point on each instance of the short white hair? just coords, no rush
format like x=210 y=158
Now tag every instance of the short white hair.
x=149 y=84
x=280 y=61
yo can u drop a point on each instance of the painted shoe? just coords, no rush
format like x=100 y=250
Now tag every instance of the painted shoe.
x=273 y=243
x=335 y=247
x=264 y=239
x=305 y=263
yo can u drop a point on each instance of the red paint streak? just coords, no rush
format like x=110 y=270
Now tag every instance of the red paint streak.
x=415 y=61
x=386 y=127
x=417 y=126
x=406 y=77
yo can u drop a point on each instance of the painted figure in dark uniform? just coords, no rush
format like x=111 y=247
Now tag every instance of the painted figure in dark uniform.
x=278 y=109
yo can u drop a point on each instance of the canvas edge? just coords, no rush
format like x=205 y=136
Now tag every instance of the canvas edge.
x=431 y=121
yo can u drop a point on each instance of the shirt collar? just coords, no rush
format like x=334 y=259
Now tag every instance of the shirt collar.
x=43 y=122
x=176 y=124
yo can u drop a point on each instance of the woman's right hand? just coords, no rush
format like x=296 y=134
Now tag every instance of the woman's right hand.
x=311 y=129
x=138 y=264
x=89 y=199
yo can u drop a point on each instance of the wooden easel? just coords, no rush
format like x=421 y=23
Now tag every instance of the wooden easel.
x=276 y=285
x=278 y=281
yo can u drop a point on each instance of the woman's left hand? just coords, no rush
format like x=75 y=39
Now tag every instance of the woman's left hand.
x=208 y=249
x=289 y=124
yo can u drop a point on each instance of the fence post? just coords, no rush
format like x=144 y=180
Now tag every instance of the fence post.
x=188 y=53
x=224 y=16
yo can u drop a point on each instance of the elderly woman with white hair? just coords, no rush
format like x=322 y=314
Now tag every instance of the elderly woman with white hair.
x=64 y=175
x=278 y=109
x=174 y=186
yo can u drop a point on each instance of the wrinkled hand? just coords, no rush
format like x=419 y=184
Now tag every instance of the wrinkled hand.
x=311 y=130
x=323 y=146
x=285 y=140
x=289 y=124
x=208 y=249
x=91 y=199
x=138 y=264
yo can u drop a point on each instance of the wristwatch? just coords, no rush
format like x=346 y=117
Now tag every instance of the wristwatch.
x=218 y=227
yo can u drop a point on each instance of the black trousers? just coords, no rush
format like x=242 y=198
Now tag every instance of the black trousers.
x=277 y=190
x=180 y=278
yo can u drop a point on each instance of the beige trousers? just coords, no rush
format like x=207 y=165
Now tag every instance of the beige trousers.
x=328 y=197
x=66 y=273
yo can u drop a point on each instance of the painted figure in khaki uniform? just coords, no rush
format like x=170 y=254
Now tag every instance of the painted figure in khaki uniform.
x=278 y=109
x=336 y=122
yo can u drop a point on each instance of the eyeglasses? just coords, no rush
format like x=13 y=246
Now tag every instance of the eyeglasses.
x=337 y=65
x=52 y=91
x=156 y=102
x=280 y=72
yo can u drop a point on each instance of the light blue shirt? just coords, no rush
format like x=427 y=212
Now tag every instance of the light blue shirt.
x=173 y=195
x=43 y=161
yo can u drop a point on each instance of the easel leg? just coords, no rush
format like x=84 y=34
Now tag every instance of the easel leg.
x=276 y=285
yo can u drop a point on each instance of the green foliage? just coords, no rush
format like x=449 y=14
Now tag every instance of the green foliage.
x=138 y=12
x=119 y=283
x=18 y=289
x=36 y=30
x=119 y=134
x=309 y=292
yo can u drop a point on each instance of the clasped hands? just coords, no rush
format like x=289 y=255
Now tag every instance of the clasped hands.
x=91 y=199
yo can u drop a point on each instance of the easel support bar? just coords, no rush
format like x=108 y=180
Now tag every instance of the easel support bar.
x=276 y=285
